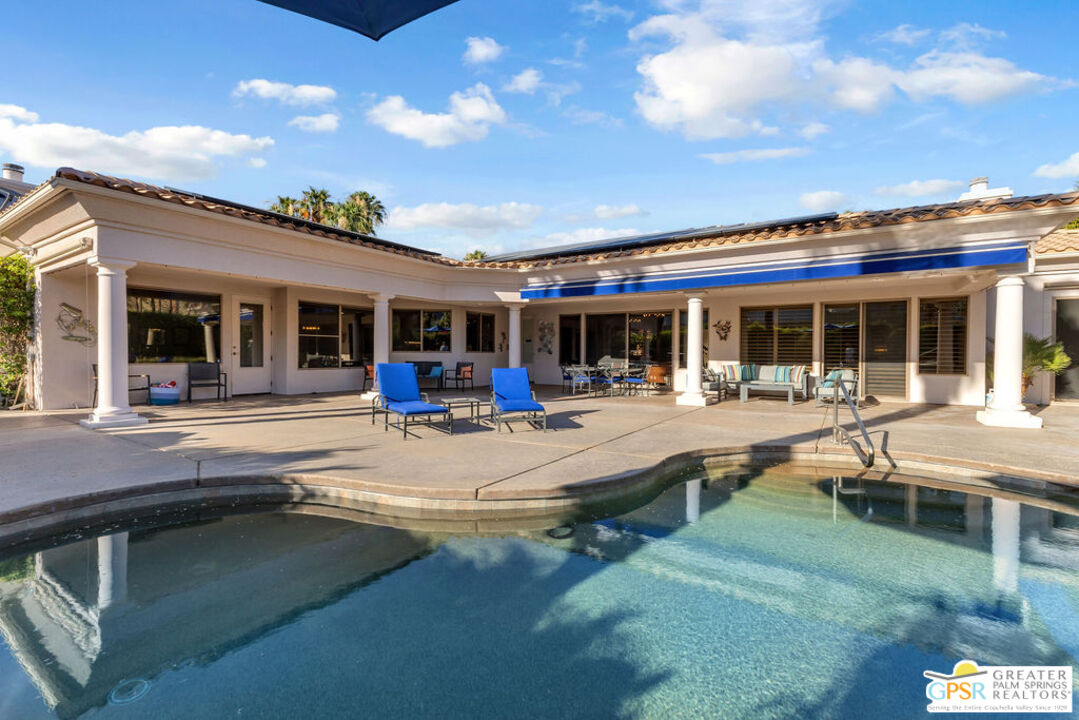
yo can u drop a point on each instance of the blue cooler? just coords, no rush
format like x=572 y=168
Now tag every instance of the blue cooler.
x=164 y=395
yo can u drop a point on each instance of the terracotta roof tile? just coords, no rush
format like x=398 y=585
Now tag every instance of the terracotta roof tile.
x=1059 y=241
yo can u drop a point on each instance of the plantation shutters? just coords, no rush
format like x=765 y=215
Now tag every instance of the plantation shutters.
x=942 y=337
x=777 y=336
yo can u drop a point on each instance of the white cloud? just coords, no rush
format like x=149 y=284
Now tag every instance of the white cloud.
x=526 y=81
x=556 y=93
x=726 y=158
x=920 y=188
x=326 y=122
x=966 y=35
x=299 y=95
x=856 y=83
x=476 y=219
x=610 y=212
x=730 y=64
x=709 y=86
x=967 y=77
x=822 y=200
x=482 y=50
x=905 y=35
x=256 y=162
x=188 y=152
x=1067 y=168
x=813 y=129
x=470 y=117
x=581 y=116
x=597 y=12
x=17 y=113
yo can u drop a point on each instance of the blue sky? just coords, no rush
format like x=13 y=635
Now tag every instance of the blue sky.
x=505 y=125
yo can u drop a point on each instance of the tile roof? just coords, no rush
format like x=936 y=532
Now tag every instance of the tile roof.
x=246 y=212
x=1059 y=241
x=733 y=234
x=643 y=245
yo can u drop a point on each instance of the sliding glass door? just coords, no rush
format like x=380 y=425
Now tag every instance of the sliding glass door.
x=885 y=348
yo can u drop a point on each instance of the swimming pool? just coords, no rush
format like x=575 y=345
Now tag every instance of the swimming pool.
x=760 y=593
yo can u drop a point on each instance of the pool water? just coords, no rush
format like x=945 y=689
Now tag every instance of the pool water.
x=757 y=594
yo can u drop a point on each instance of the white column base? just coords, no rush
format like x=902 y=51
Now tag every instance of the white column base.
x=691 y=399
x=126 y=419
x=1009 y=419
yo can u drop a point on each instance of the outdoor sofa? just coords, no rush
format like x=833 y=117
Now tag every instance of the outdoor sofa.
x=753 y=378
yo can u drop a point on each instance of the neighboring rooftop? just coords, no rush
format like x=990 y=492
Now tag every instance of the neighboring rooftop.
x=12 y=186
x=1059 y=241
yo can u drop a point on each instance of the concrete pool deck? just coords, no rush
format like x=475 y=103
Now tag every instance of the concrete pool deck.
x=594 y=446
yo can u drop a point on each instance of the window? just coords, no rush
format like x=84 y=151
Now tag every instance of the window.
x=942 y=337
x=605 y=337
x=842 y=333
x=357 y=337
x=167 y=326
x=332 y=336
x=422 y=330
x=777 y=336
x=479 y=332
x=683 y=336
x=569 y=339
x=650 y=338
x=319 y=347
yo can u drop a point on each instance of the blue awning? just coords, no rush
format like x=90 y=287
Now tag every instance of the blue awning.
x=373 y=18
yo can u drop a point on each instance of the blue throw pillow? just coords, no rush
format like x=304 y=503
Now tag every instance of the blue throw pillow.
x=436 y=371
x=829 y=381
x=749 y=372
x=783 y=373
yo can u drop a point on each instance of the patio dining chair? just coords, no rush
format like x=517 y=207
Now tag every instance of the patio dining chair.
x=207 y=374
x=462 y=374
x=399 y=394
x=512 y=397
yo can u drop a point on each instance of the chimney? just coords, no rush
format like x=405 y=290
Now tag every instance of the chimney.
x=13 y=172
x=980 y=190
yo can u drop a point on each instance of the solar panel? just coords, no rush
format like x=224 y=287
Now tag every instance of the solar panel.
x=300 y=220
x=636 y=241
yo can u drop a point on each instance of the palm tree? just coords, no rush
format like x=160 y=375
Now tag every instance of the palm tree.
x=1039 y=355
x=368 y=214
x=476 y=255
x=285 y=205
x=314 y=205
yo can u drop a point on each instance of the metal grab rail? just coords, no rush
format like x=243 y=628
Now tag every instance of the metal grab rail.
x=841 y=435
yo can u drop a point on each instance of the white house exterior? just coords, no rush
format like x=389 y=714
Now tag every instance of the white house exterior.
x=908 y=296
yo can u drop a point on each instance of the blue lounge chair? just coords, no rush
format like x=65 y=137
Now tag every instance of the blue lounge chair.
x=511 y=395
x=399 y=393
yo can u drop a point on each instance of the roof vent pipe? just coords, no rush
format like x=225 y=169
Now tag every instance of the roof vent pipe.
x=980 y=190
x=13 y=172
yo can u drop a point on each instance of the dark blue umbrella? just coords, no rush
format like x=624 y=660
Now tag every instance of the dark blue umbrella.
x=373 y=18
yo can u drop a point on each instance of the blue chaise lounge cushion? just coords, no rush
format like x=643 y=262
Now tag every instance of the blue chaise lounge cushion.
x=512 y=393
x=415 y=407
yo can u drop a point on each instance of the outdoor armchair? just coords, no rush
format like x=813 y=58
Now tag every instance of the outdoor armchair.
x=399 y=394
x=512 y=397
x=207 y=374
x=461 y=375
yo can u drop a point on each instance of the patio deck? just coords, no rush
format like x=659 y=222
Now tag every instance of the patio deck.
x=594 y=444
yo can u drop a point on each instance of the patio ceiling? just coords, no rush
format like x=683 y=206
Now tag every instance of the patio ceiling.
x=373 y=18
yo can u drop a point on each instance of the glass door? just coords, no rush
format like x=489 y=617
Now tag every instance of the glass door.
x=884 y=348
x=251 y=347
x=842 y=337
x=1067 y=383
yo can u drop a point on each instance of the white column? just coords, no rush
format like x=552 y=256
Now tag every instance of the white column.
x=112 y=408
x=692 y=395
x=1005 y=545
x=1006 y=408
x=382 y=335
x=111 y=570
x=514 y=359
x=693 y=501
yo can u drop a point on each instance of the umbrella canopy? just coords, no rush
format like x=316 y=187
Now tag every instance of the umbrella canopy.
x=373 y=18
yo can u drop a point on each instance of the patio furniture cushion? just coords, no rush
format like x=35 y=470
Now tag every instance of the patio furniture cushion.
x=506 y=405
x=747 y=373
x=510 y=384
x=783 y=373
x=766 y=373
x=798 y=373
x=415 y=407
x=830 y=378
x=397 y=383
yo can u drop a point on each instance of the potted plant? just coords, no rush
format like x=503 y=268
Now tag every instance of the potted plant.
x=1039 y=355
